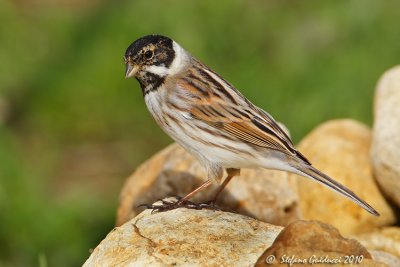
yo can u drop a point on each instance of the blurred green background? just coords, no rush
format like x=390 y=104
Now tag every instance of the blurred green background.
x=72 y=128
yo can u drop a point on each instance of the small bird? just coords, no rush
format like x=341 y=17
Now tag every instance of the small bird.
x=212 y=120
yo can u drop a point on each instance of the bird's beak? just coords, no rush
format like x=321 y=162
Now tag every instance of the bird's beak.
x=130 y=70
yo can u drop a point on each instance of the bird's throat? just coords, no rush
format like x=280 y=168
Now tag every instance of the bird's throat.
x=150 y=82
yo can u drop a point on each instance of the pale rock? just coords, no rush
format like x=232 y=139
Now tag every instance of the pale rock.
x=340 y=148
x=270 y=196
x=385 y=151
x=185 y=237
x=386 y=258
x=386 y=239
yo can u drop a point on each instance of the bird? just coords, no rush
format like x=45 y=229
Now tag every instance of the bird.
x=213 y=121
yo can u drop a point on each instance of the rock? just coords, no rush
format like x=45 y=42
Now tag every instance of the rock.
x=312 y=243
x=340 y=148
x=386 y=258
x=386 y=239
x=267 y=195
x=185 y=237
x=385 y=151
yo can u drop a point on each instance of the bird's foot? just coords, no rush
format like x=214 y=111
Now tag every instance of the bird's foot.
x=169 y=204
x=210 y=205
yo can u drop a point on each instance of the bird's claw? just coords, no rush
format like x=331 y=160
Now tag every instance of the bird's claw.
x=210 y=205
x=165 y=205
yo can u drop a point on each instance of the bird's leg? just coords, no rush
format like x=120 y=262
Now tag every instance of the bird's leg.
x=231 y=173
x=191 y=194
x=180 y=202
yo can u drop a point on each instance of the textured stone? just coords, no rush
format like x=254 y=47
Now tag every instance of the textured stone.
x=386 y=239
x=340 y=148
x=386 y=258
x=312 y=243
x=385 y=151
x=270 y=196
x=184 y=237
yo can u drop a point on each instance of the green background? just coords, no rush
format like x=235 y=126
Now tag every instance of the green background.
x=72 y=128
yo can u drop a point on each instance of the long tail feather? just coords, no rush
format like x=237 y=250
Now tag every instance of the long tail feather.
x=311 y=172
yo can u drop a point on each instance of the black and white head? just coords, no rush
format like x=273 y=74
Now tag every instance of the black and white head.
x=152 y=58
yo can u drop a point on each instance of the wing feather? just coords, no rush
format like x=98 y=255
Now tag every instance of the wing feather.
x=245 y=128
x=238 y=117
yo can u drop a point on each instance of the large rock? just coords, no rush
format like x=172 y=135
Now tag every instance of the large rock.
x=386 y=134
x=184 y=237
x=187 y=237
x=312 y=243
x=270 y=196
x=340 y=148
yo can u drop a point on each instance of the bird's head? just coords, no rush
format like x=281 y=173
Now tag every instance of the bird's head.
x=151 y=58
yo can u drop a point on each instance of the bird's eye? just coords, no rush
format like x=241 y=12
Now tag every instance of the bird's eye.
x=148 y=54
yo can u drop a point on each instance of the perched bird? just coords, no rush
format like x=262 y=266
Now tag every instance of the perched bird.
x=212 y=120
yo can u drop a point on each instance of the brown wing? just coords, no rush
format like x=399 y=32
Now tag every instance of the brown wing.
x=245 y=124
x=217 y=103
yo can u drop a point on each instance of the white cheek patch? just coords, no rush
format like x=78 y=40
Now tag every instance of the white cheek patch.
x=158 y=70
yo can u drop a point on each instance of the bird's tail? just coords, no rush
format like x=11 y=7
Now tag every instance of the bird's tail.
x=311 y=172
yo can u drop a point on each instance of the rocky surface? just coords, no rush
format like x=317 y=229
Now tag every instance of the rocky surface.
x=340 y=148
x=385 y=152
x=312 y=243
x=386 y=258
x=270 y=196
x=187 y=237
x=183 y=237
x=386 y=239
